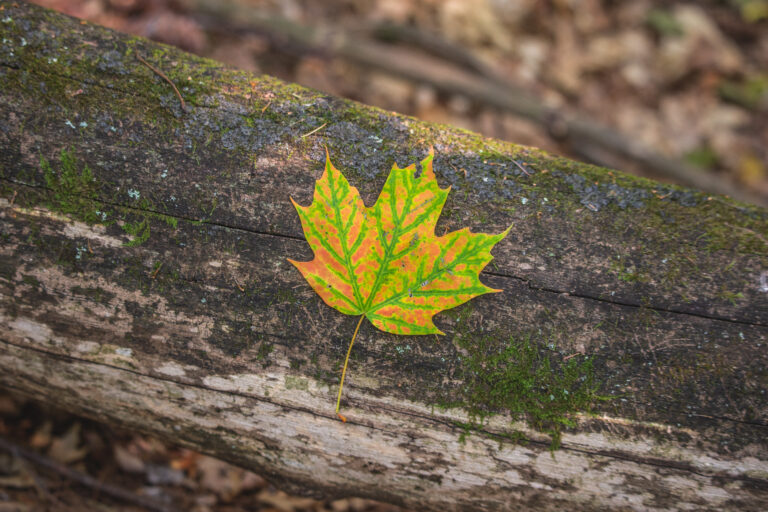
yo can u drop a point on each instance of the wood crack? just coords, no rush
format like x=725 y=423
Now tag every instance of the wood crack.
x=623 y=303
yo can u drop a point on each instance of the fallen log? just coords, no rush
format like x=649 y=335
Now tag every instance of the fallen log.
x=144 y=283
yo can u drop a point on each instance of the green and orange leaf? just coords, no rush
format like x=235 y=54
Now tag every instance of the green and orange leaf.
x=385 y=262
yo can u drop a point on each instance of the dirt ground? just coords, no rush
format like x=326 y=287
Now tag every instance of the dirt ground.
x=687 y=79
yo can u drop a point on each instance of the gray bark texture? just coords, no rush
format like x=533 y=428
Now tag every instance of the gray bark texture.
x=144 y=283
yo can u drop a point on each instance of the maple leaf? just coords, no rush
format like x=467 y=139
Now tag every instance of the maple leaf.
x=385 y=263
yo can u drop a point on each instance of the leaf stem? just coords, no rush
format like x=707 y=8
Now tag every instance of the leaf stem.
x=344 y=371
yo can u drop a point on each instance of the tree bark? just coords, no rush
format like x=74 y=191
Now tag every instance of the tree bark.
x=144 y=282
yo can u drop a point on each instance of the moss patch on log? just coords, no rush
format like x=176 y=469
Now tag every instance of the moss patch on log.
x=515 y=376
x=73 y=191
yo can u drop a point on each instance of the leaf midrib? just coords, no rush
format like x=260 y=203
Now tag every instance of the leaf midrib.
x=343 y=238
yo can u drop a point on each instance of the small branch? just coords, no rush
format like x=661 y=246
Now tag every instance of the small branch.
x=81 y=478
x=315 y=130
x=521 y=167
x=164 y=77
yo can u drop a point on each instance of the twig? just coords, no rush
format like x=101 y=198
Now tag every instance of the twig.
x=519 y=166
x=316 y=129
x=154 y=274
x=163 y=76
x=13 y=198
x=81 y=478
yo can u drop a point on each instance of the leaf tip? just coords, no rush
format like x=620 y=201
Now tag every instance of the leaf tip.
x=330 y=169
x=296 y=205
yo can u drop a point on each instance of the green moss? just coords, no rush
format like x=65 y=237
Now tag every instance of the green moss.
x=140 y=230
x=30 y=280
x=73 y=189
x=284 y=296
x=74 y=192
x=513 y=376
x=625 y=272
x=730 y=296
x=265 y=349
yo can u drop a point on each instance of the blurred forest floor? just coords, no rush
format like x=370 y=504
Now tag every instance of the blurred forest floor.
x=687 y=79
x=88 y=466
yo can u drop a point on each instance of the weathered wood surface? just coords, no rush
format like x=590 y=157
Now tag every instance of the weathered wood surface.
x=205 y=335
